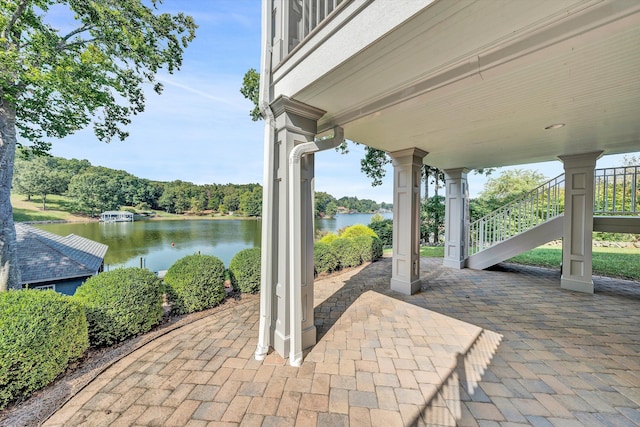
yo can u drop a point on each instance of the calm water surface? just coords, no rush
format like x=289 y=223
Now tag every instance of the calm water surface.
x=161 y=243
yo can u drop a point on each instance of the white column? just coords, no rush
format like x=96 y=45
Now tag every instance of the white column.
x=578 y=221
x=456 y=218
x=405 y=271
x=295 y=123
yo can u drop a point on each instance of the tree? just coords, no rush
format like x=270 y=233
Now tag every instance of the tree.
x=93 y=192
x=631 y=160
x=37 y=176
x=251 y=202
x=432 y=219
x=54 y=82
x=511 y=184
x=251 y=90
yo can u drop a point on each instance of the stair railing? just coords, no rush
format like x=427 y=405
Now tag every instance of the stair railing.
x=616 y=192
x=536 y=207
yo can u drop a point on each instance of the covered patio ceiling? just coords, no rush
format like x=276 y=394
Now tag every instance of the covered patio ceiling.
x=476 y=83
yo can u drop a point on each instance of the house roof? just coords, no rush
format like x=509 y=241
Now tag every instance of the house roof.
x=45 y=256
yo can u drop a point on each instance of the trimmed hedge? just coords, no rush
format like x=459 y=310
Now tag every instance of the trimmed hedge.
x=120 y=304
x=356 y=231
x=384 y=230
x=244 y=270
x=194 y=283
x=40 y=333
x=329 y=238
x=325 y=259
x=370 y=247
x=347 y=252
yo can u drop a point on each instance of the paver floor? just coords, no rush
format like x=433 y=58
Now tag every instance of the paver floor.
x=473 y=348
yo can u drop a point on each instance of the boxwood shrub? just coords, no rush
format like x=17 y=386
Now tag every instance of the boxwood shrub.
x=244 y=270
x=40 y=333
x=347 y=252
x=194 y=283
x=121 y=303
x=325 y=259
x=357 y=230
x=370 y=247
x=384 y=230
x=328 y=238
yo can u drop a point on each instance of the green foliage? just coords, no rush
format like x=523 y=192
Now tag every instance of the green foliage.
x=40 y=333
x=432 y=219
x=324 y=204
x=94 y=193
x=373 y=163
x=357 y=230
x=58 y=80
x=244 y=270
x=377 y=218
x=251 y=90
x=353 y=204
x=511 y=184
x=328 y=238
x=347 y=252
x=325 y=259
x=251 y=202
x=120 y=304
x=195 y=282
x=384 y=231
x=370 y=247
x=38 y=175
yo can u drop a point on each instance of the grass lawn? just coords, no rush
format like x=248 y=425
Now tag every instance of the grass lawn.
x=58 y=208
x=609 y=262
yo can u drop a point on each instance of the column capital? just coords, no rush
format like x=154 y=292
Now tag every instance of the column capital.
x=455 y=173
x=284 y=104
x=414 y=154
x=581 y=160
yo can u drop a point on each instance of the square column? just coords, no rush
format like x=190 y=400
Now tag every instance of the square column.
x=295 y=123
x=456 y=218
x=405 y=271
x=577 y=232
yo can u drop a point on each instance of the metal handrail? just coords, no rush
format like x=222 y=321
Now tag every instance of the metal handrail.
x=539 y=205
x=616 y=192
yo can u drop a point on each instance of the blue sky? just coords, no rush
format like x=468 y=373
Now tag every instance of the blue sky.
x=199 y=129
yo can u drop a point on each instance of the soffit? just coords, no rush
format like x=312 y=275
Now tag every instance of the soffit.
x=437 y=85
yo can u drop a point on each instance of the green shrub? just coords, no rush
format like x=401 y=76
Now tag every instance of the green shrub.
x=120 y=304
x=357 y=230
x=325 y=259
x=329 y=238
x=370 y=248
x=347 y=252
x=40 y=333
x=194 y=283
x=384 y=230
x=244 y=270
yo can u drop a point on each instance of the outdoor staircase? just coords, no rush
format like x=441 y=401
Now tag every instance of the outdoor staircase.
x=537 y=217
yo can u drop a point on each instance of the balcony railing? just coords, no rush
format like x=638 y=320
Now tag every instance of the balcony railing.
x=617 y=191
x=305 y=16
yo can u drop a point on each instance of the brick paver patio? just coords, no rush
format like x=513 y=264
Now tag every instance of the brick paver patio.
x=475 y=348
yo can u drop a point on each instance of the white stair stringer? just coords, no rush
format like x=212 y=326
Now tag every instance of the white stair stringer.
x=527 y=240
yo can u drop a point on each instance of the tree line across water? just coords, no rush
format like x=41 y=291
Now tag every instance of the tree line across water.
x=95 y=189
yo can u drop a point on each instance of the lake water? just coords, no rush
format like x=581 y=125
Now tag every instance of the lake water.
x=161 y=243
